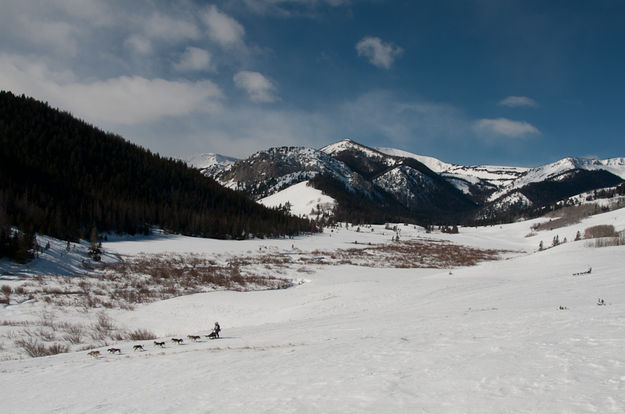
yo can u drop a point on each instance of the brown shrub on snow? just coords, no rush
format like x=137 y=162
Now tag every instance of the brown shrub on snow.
x=602 y=230
x=35 y=349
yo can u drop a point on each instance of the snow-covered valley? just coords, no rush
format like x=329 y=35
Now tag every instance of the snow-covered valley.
x=519 y=334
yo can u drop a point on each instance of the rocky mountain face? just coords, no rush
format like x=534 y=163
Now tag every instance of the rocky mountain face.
x=267 y=172
x=383 y=184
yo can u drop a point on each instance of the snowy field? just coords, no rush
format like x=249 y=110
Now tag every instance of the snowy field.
x=521 y=334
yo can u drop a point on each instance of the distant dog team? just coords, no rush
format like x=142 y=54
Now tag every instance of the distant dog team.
x=139 y=347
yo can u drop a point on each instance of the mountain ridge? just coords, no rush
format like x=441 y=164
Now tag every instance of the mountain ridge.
x=412 y=186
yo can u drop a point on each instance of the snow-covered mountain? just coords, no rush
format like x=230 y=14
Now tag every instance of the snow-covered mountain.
x=390 y=183
x=409 y=182
x=557 y=171
x=463 y=176
x=267 y=172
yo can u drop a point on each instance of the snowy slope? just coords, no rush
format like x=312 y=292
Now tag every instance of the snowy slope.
x=303 y=200
x=465 y=178
x=432 y=163
x=209 y=160
x=349 y=145
x=506 y=179
x=546 y=172
x=55 y=260
x=489 y=338
x=615 y=165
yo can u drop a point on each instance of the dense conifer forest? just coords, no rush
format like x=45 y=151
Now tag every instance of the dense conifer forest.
x=63 y=177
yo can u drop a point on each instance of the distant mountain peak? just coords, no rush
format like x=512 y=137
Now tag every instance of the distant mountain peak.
x=348 y=144
x=209 y=160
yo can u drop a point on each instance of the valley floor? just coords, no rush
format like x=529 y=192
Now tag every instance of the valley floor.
x=521 y=334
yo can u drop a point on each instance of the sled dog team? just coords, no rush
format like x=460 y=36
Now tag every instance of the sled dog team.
x=213 y=335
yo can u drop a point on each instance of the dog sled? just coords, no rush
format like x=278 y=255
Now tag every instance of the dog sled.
x=213 y=335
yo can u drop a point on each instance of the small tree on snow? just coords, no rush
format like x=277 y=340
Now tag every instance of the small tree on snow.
x=95 y=250
x=541 y=246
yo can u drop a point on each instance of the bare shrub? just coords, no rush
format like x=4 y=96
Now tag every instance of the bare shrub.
x=103 y=327
x=36 y=349
x=73 y=333
x=408 y=254
x=47 y=319
x=15 y=323
x=6 y=290
x=141 y=334
x=47 y=335
x=607 y=241
x=602 y=230
x=105 y=322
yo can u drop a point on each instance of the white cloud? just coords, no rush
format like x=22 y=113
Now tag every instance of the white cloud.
x=194 y=59
x=257 y=86
x=139 y=44
x=223 y=29
x=120 y=100
x=379 y=53
x=60 y=36
x=94 y=12
x=167 y=28
x=516 y=101
x=504 y=127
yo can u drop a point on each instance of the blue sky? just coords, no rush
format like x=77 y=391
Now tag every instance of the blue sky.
x=470 y=82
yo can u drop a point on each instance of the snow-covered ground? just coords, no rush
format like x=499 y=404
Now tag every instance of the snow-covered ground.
x=487 y=338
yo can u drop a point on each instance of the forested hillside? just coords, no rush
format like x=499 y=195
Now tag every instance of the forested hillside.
x=63 y=177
